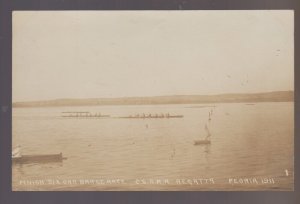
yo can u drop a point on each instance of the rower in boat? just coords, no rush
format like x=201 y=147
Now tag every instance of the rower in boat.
x=16 y=153
x=205 y=141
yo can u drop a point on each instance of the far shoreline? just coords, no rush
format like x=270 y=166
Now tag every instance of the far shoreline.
x=278 y=96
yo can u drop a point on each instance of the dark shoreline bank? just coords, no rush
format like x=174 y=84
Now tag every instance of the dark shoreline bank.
x=279 y=96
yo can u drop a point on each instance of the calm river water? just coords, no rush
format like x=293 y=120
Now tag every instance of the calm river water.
x=252 y=148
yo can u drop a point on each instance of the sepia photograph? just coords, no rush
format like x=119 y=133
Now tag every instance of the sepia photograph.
x=193 y=100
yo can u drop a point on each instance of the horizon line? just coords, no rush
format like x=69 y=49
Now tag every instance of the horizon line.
x=228 y=93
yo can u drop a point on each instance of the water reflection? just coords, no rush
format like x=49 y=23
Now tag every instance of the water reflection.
x=20 y=168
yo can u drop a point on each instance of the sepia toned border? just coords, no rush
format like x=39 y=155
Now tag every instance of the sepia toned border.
x=7 y=196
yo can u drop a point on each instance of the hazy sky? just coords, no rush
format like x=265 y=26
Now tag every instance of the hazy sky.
x=93 y=54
